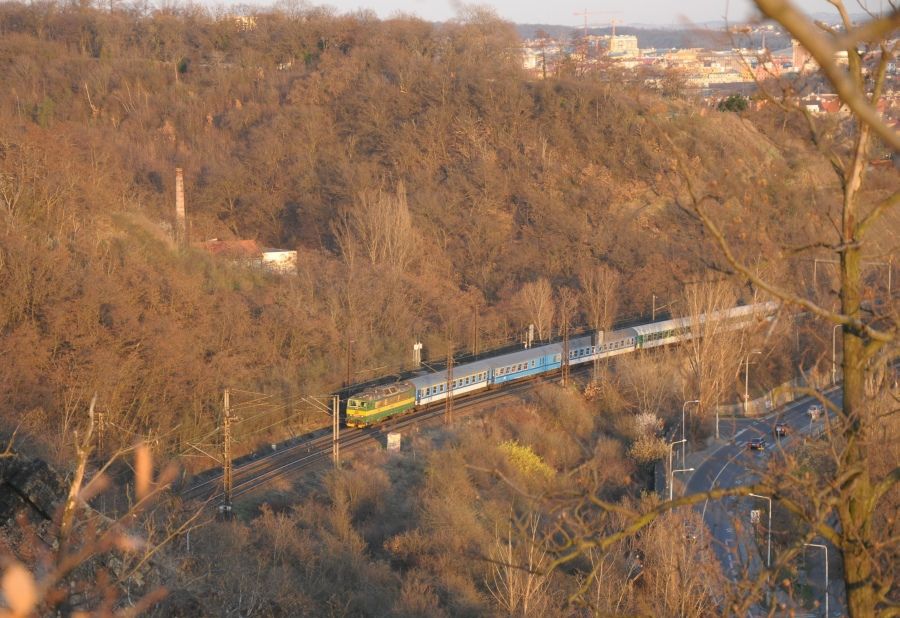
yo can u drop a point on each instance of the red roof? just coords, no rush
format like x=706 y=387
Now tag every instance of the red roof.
x=831 y=106
x=235 y=249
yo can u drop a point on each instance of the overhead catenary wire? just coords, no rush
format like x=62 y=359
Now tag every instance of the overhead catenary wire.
x=266 y=406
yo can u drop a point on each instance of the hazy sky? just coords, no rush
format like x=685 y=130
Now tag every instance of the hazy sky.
x=562 y=12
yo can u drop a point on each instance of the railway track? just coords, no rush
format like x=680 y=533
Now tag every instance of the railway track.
x=315 y=451
x=250 y=475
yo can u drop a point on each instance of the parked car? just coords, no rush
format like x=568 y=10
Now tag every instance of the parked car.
x=757 y=444
x=781 y=430
x=815 y=411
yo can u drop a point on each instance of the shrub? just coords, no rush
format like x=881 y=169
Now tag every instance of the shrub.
x=733 y=103
x=648 y=449
x=525 y=460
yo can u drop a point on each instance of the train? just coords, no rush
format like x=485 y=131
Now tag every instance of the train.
x=377 y=404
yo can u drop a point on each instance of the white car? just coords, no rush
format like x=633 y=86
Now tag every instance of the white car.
x=815 y=411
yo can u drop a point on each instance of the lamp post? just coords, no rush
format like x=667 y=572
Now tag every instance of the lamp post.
x=683 y=432
x=825 y=547
x=834 y=353
x=349 y=358
x=769 y=533
x=747 y=380
x=716 y=407
x=672 y=478
x=671 y=444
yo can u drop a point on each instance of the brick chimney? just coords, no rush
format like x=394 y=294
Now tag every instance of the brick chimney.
x=180 y=226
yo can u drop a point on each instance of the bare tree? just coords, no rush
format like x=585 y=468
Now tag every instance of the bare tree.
x=536 y=299
x=600 y=298
x=868 y=342
x=843 y=502
x=518 y=579
x=647 y=381
x=381 y=227
x=81 y=534
x=680 y=574
x=715 y=349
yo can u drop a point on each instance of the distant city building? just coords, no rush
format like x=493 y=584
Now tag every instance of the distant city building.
x=624 y=44
x=699 y=68
x=801 y=59
x=538 y=52
x=531 y=58
x=244 y=23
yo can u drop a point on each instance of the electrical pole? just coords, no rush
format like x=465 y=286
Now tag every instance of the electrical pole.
x=347 y=384
x=336 y=431
x=599 y=336
x=100 y=428
x=565 y=354
x=448 y=410
x=225 y=507
x=475 y=331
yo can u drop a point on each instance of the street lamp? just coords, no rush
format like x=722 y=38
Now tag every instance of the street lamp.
x=671 y=444
x=825 y=547
x=716 y=407
x=672 y=478
x=747 y=380
x=683 y=433
x=833 y=353
x=769 y=534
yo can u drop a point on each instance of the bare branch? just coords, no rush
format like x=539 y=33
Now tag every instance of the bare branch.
x=823 y=48
x=879 y=209
x=8 y=451
x=83 y=449
x=873 y=30
x=603 y=543
x=886 y=484
x=852 y=323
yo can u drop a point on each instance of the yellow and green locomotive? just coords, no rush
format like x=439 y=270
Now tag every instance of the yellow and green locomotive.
x=376 y=404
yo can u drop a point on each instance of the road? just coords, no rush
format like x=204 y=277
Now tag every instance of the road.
x=732 y=464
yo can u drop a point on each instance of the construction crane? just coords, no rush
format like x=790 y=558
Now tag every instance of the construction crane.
x=585 y=13
x=613 y=23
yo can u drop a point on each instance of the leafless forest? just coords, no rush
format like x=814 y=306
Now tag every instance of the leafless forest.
x=424 y=179
x=419 y=182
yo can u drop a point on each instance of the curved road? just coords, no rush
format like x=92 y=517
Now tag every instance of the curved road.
x=733 y=464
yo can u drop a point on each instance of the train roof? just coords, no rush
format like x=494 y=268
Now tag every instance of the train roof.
x=655 y=327
x=467 y=369
x=377 y=392
x=520 y=356
x=618 y=335
x=734 y=312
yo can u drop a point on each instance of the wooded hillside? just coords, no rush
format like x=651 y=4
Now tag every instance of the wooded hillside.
x=417 y=170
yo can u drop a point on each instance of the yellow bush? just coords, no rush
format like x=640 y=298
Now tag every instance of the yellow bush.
x=524 y=459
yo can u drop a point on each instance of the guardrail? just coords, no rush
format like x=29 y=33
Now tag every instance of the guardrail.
x=780 y=395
